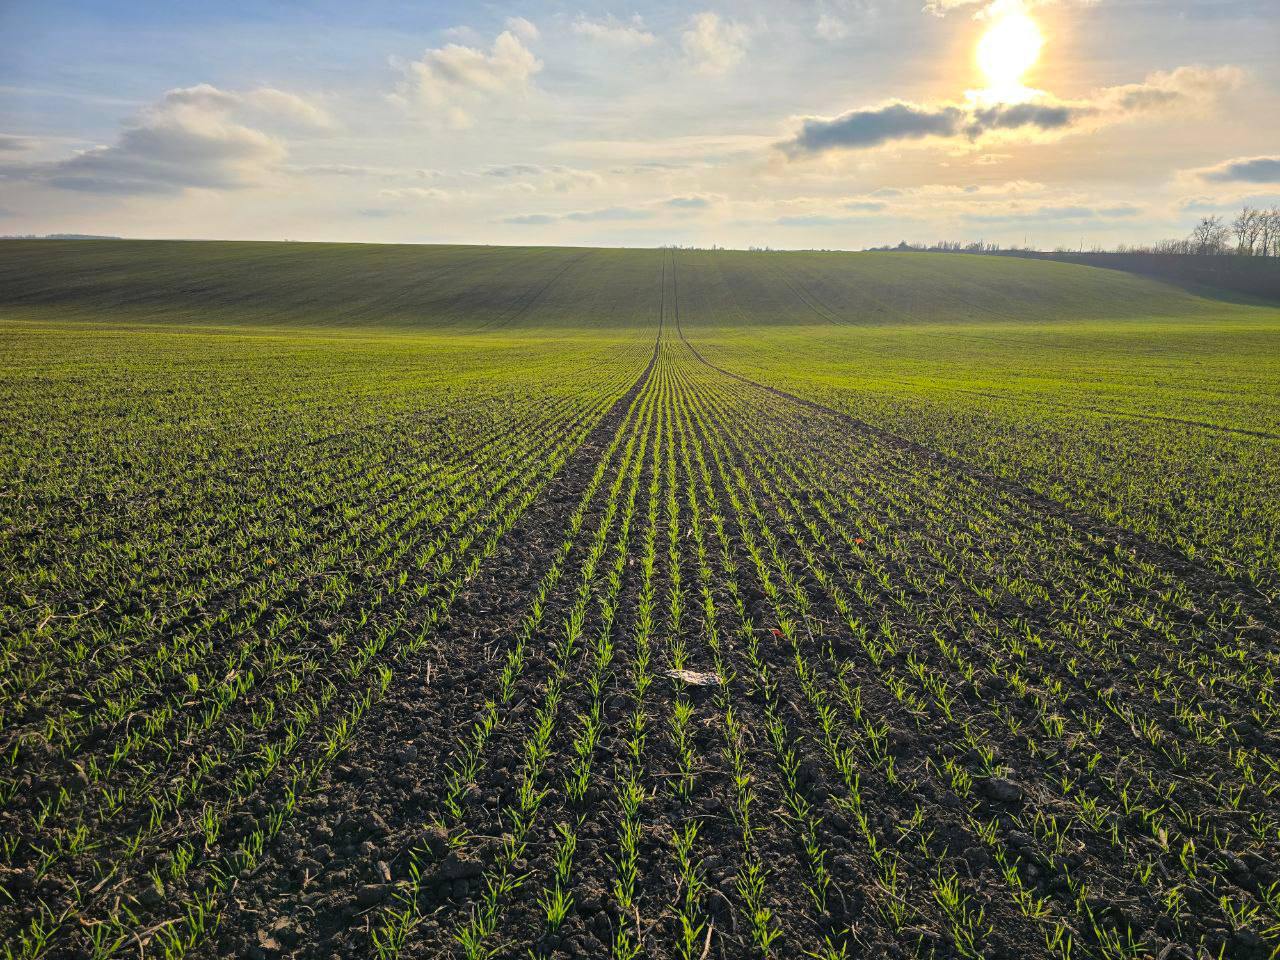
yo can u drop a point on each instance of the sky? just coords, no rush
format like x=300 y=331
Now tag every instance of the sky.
x=787 y=124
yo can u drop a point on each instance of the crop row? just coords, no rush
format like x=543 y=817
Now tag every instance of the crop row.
x=254 y=702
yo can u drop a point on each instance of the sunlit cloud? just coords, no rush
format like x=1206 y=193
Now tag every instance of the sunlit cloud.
x=614 y=32
x=526 y=30
x=289 y=107
x=452 y=80
x=714 y=45
x=990 y=9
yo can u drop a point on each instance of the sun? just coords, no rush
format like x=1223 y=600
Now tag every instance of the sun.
x=1009 y=48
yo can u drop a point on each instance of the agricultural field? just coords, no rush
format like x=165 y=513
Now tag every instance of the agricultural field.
x=426 y=602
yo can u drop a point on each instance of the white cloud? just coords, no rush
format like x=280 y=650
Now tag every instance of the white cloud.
x=202 y=96
x=267 y=103
x=453 y=79
x=830 y=26
x=1186 y=87
x=992 y=8
x=555 y=177
x=522 y=28
x=837 y=18
x=620 y=33
x=190 y=138
x=289 y=107
x=714 y=45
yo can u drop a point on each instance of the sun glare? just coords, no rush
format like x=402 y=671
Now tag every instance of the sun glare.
x=1008 y=49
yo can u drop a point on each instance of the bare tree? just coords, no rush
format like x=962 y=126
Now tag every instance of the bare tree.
x=1269 y=232
x=1240 y=228
x=1247 y=228
x=1210 y=235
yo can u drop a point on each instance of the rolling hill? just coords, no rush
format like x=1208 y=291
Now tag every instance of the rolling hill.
x=483 y=288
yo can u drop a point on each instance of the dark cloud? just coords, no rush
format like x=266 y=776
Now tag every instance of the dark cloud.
x=12 y=144
x=688 y=203
x=531 y=219
x=860 y=129
x=865 y=206
x=869 y=128
x=1245 y=170
x=1184 y=88
x=1012 y=116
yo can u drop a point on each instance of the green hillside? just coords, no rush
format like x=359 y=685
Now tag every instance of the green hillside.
x=489 y=288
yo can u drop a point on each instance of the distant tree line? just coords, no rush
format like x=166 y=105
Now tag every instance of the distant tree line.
x=57 y=236
x=1254 y=233
x=1240 y=255
x=951 y=246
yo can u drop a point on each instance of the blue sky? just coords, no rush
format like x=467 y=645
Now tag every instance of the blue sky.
x=795 y=123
